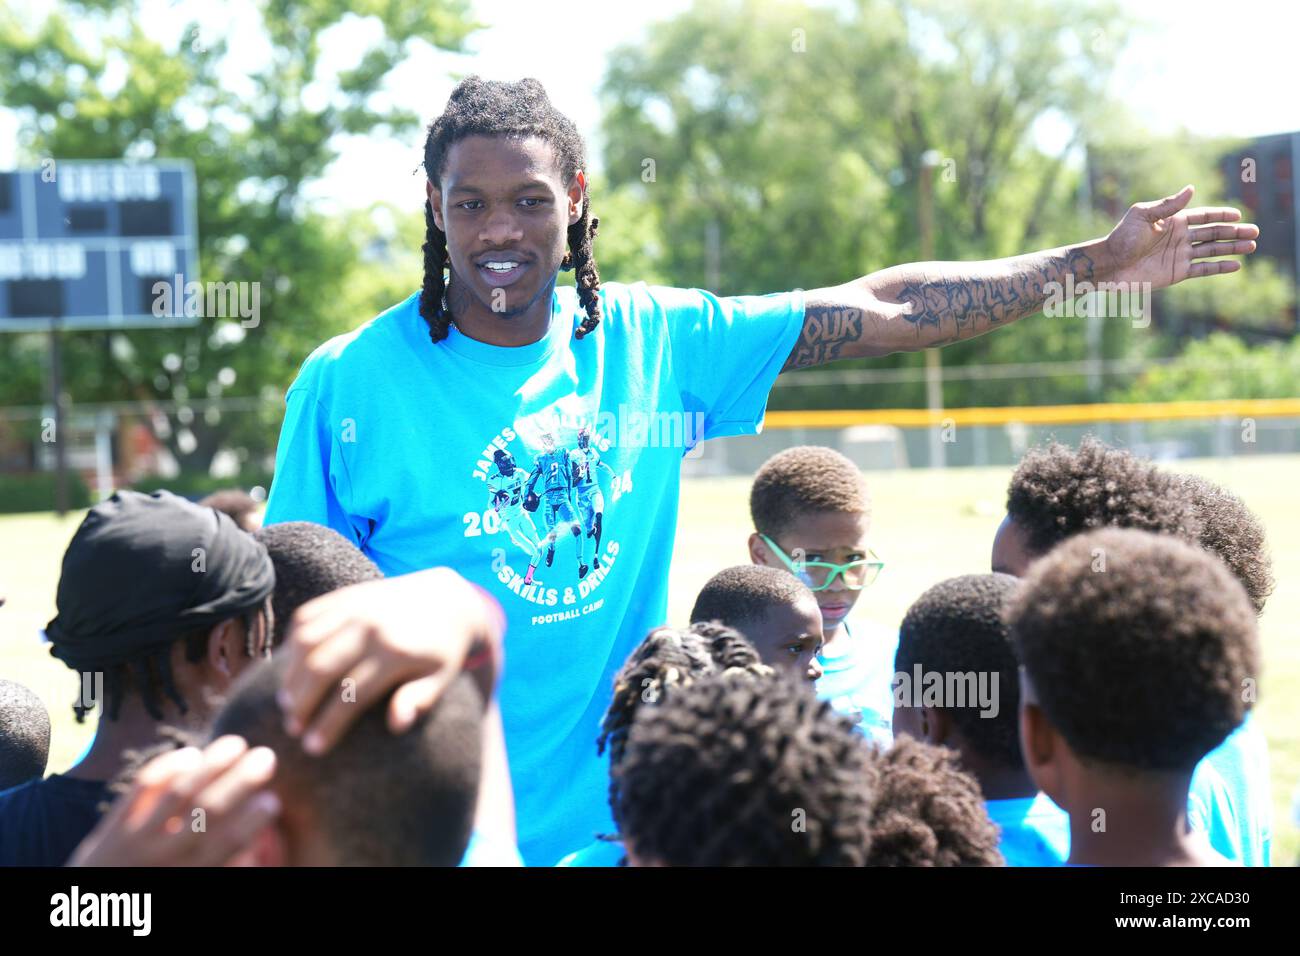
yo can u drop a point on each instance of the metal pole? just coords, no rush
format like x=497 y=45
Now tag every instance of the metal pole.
x=56 y=397
x=933 y=363
x=104 y=422
x=712 y=255
x=1295 y=216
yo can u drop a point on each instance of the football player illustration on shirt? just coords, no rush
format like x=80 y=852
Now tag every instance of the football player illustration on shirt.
x=586 y=488
x=506 y=485
x=557 y=486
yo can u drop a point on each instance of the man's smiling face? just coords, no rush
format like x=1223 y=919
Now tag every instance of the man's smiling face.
x=506 y=212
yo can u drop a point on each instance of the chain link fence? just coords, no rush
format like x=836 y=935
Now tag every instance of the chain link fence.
x=882 y=445
x=151 y=445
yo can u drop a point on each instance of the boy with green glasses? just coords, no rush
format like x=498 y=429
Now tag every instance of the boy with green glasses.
x=812 y=516
x=821 y=575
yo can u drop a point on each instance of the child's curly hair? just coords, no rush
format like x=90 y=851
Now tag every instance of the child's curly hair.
x=929 y=812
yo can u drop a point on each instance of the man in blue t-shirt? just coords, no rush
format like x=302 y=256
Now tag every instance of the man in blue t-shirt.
x=391 y=430
x=957 y=684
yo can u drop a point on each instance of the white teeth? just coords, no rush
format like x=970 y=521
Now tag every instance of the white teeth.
x=500 y=266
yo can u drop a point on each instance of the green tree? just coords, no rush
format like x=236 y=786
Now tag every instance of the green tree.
x=120 y=93
x=787 y=144
x=1257 y=298
x=1222 y=366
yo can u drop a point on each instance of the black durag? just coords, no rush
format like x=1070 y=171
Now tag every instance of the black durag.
x=143 y=570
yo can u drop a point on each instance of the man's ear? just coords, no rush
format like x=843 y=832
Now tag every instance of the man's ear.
x=577 y=196
x=434 y=199
x=225 y=640
x=936 y=725
x=758 y=551
x=906 y=720
x=1040 y=746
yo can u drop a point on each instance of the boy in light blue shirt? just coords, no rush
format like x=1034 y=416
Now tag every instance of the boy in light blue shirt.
x=856 y=675
x=1035 y=831
x=1223 y=804
x=812 y=516
x=957 y=684
x=1058 y=491
x=1230 y=799
x=1129 y=677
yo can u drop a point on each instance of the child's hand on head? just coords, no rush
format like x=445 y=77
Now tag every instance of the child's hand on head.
x=154 y=824
x=412 y=633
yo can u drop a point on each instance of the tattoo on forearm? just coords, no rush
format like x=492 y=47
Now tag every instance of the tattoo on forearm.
x=826 y=331
x=939 y=310
x=971 y=306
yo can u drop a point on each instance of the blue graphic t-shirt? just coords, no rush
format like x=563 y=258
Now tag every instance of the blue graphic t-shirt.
x=1035 y=831
x=1230 y=800
x=405 y=447
x=858 y=680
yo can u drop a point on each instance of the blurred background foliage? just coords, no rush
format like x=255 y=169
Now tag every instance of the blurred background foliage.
x=751 y=147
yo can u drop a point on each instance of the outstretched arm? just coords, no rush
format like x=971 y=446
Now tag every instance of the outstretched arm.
x=922 y=305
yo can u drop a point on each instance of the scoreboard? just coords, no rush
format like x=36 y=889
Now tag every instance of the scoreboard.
x=83 y=244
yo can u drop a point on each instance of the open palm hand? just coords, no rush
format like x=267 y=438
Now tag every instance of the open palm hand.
x=1161 y=242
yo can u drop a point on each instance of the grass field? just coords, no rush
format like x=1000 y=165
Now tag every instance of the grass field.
x=928 y=525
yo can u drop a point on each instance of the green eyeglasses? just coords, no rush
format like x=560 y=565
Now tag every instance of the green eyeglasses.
x=819 y=575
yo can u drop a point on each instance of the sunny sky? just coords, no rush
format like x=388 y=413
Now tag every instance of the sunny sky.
x=1232 y=73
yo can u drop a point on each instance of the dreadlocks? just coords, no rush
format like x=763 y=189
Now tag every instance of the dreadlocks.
x=666 y=659
x=151 y=673
x=493 y=108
